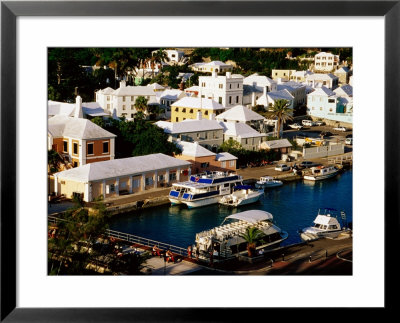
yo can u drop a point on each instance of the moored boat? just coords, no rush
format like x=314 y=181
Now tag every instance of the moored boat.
x=226 y=241
x=322 y=172
x=204 y=189
x=267 y=182
x=242 y=195
x=326 y=225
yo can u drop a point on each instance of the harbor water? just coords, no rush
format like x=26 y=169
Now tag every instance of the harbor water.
x=293 y=206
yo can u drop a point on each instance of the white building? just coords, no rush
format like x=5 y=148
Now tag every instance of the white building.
x=326 y=104
x=226 y=90
x=326 y=62
x=121 y=102
x=328 y=80
x=260 y=82
x=249 y=138
x=297 y=90
x=268 y=98
x=214 y=66
x=174 y=55
x=243 y=114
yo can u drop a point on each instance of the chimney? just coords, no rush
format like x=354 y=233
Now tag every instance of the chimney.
x=198 y=115
x=228 y=75
x=253 y=98
x=122 y=83
x=265 y=90
x=214 y=73
x=78 y=108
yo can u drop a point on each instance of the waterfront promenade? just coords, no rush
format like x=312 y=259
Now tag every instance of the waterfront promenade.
x=320 y=257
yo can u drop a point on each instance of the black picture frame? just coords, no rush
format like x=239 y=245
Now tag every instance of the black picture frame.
x=10 y=10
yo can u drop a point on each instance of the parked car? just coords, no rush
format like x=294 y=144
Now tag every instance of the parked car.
x=348 y=141
x=319 y=123
x=295 y=126
x=340 y=129
x=307 y=123
x=307 y=164
x=282 y=167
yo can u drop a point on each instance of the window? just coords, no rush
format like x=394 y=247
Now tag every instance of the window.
x=108 y=98
x=132 y=115
x=223 y=164
x=65 y=146
x=136 y=183
x=75 y=164
x=172 y=176
x=204 y=165
x=330 y=110
x=230 y=86
x=191 y=111
x=122 y=185
x=132 y=106
x=220 y=100
x=320 y=108
x=90 y=149
x=176 y=119
x=231 y=163
x=123 y=107
x=203 y=84
x=105 y=147
x=237 y=99
x=230 y=100
x=132 y=98
x=123 y=99
x=75 y=148
x=160 y=178
x=221 y=86
x=238 y=85
x=108 y=107
x=331 y=100
x=149 y=181
x=112 y=188
x=184 y=110
x=206 y=112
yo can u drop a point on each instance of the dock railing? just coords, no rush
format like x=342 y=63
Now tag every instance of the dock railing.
x=348 y=158
x=130 y=238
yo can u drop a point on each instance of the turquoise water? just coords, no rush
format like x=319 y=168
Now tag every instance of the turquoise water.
x=293 y=205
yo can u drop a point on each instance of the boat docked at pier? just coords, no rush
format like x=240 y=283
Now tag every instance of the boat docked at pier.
x=204 y=189
x=322 y=172
x=267 y=182
x=326 y=225
x=226 y=241
x=242 y=195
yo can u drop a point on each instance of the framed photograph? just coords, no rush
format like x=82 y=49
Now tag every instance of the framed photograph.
x=31 y=29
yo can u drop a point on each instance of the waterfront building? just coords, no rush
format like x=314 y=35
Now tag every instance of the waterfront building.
x=214 y=66
x=120 y=176
x=189 y=107
x=249 y=138
x=283 y=75
x=79 y=141
x=121 y=102
x=281 y=145
x=326 y=62
x=227 y=89
x=326 y=104
x=328 y=80
x=343 y=74
x=203 y=159
x=208 y=133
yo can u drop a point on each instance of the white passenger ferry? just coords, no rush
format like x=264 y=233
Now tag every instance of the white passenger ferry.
x=204 y=189
x=225 y=241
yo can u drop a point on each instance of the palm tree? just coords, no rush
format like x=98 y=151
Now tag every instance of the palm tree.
x=251 y=235
x=53 y=160
x=141 y=103
x=159 y=57
x=282 y=112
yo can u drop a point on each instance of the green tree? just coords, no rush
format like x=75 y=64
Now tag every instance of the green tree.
x=281 y=112
x=251 y=236
x=230 y=145
x=141 y=104
x=54 y=160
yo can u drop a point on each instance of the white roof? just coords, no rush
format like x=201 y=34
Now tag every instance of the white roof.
x=60 y=108
x=345 y=90
x=193 y=88
x=63 y=126
x=107 y=90
x=193 y=149
x=172 y=94
x=198 y=103
x=121 y=167
x=156 y=86
x=225 y=156
x=239 y=113
x=189 y=125
x=280 y=143
x=323 y=91
x=240 y=129
x=282 y=94
x=134 y=90
x=260 y=80
x=252 y=216
x=320 y=76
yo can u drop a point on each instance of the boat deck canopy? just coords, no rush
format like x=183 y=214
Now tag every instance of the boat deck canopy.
x=252 y=216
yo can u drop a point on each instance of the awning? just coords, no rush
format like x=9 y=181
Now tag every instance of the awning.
x=252 y=216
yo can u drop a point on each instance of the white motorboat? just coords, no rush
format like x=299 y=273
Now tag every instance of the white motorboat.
x=322 y=172
x=267 y=182
x=326 y=225
x=204 y=189
x=226 y=241
x=242 y=195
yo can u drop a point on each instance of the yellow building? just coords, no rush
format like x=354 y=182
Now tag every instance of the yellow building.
x=282 y=74
x=189 y=107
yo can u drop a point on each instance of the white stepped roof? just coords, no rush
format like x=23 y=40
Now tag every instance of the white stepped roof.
x=240 y=129
x=193 y=149
x=121 y=167
x=225 y=156
x=189 y=125
x=323 y=91
x=198 y=103
x=252 y=216
x=275 y=144
x=239 y=113
x=64 y=126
